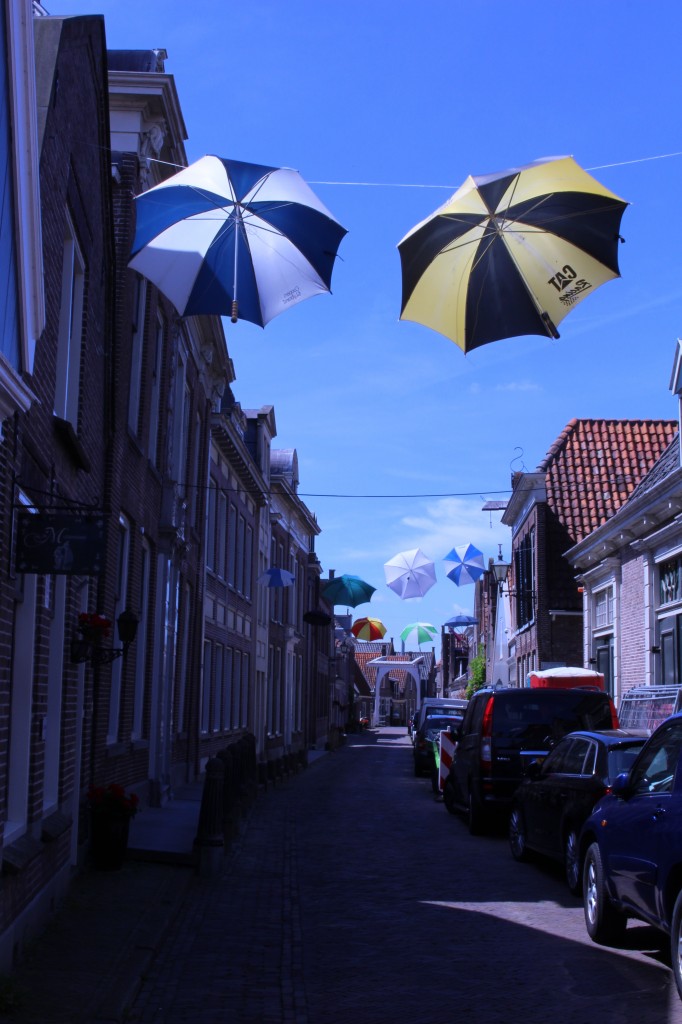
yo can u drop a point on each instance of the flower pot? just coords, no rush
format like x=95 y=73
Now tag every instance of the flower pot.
x=109 y=840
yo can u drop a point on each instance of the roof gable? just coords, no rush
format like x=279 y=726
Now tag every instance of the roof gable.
x=594 y=466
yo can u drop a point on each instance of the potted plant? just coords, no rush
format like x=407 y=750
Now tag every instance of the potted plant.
x=111 y=809
x=93 y=627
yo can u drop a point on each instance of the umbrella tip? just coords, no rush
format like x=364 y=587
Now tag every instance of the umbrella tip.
x=234 y=316
x=551 y=329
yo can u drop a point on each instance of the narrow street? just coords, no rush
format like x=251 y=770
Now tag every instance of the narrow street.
x=353 y=896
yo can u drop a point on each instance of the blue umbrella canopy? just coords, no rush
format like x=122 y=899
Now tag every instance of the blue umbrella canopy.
x=274 y=577
x=461 y=620
x=465 y=564
x=348 y=590
x=235 y=239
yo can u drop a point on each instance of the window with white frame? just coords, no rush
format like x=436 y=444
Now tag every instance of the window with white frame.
x=146 y=610
x=137 y=350
x=603 y=608
x=183 y=657
x=23 y=655
x=218 y=687
x=670 y=580
x=211 y=525
x=155 y=391
x=206 y=688
x=244 y=709
x=55 y=675
x=120 y=606
x=68 y=369
x=227 y=689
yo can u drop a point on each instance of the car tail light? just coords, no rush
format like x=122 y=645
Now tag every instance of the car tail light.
x=486 y=737
x=615 y=723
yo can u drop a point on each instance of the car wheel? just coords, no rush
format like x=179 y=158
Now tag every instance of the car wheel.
x=475 y=815
x=449 y=797
x=605 y=925
x=517 y=835
x=572 y=862
x=676 y=944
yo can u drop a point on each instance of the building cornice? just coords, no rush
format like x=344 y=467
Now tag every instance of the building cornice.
x=529 y=490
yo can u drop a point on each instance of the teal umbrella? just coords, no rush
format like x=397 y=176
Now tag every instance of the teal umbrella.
x=348 y=590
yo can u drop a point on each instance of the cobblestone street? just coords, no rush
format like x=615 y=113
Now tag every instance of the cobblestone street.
x=354 y=896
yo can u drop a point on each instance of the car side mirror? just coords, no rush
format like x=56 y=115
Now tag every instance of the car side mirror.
x=534 y=770
x=621 y=785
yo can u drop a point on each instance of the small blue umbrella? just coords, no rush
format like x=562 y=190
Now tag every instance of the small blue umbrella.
x=465 y=564
x=274 y=577
x=461 y=620
x=235 y=239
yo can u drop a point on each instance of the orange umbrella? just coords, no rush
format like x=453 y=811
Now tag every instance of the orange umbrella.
x=368 y=629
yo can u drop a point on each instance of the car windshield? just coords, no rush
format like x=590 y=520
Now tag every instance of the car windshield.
x=432 y=726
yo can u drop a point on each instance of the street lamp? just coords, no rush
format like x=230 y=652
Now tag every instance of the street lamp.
x=500 y=569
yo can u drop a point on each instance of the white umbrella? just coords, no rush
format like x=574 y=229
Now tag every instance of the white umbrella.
x=410 y=573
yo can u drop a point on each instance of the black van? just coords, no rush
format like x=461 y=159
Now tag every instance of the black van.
x=503 y=730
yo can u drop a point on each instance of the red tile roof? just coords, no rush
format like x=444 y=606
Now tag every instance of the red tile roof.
x=594 y=465
x=363 y=655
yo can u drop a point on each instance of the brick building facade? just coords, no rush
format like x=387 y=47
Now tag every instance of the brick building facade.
x=118 y=417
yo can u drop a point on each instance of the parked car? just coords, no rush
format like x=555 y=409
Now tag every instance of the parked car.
x=434 y=705
x=631 y=847
x=428 y=731
x=503 y=730
x=557 y=795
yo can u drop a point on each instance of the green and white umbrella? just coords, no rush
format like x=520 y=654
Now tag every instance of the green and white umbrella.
x=418 y=633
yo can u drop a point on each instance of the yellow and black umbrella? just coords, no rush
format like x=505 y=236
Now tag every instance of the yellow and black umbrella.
x=511 y=253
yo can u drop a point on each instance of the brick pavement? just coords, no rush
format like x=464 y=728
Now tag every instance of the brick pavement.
x=353 y=897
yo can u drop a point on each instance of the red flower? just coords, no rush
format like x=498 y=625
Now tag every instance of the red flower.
x=93 y=624
x=112 y=799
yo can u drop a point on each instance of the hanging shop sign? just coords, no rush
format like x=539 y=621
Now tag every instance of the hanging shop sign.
x=66 y=543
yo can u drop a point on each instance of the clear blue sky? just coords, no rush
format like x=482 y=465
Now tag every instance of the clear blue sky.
x=418 y=94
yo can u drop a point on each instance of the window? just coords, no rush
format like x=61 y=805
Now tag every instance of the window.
x=121 y=603
x=20 y=710
x=10 y=319
x=140 y=646
x=135 y=386
x=232 y=546
x=211 y=525
x=218 y=687
x=670 y=581
x=244 y=708
x=184 y=636
x=206 y=688
x=524 y=565
x=227 y=689
x=603 y=608
x=68 y=370
x=155 y=392
x=53 y=715
x=656 y=768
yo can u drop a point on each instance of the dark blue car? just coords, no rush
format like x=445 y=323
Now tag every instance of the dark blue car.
x=631 y=847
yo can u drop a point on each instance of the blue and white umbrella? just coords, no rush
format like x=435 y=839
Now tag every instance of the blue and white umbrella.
x=465 y=564
x=275 y=577
x=228 y=238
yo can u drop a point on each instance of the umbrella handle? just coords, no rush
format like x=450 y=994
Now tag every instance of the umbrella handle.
x=234 y=316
